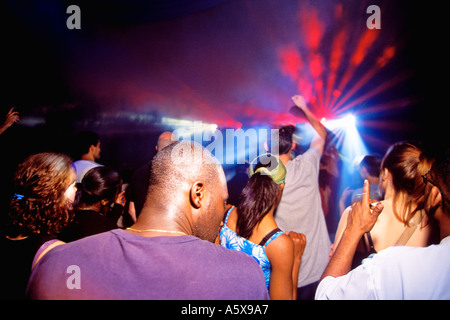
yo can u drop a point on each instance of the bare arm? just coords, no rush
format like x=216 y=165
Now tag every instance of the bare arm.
x=11 y=117
x=361 y=219
x=281 y=256
x=299 y=240
x=285 y=254
x=318 y=141
x=340 y=229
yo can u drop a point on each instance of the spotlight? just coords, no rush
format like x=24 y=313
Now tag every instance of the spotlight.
x=345 y=123
x=349 y=120
x=348 y=139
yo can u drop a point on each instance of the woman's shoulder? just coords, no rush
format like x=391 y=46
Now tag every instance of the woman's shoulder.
x=281 y=242
x=280 y=248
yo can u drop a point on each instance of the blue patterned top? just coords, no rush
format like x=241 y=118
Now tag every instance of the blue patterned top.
x=231 y=240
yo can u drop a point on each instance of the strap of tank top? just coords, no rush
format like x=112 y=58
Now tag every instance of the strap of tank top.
x=409 y=230
x=369 y=239
x=268 y=236
x=225 y=218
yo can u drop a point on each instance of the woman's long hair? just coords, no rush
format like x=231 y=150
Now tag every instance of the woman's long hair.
x=40 y=204
x=258 y=197
x=408 y=162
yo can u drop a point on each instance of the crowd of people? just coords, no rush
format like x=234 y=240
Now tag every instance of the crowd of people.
x=73 y=230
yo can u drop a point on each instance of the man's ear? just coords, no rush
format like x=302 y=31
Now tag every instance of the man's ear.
x=196 y=194
x=294 y=144
x=91 y=148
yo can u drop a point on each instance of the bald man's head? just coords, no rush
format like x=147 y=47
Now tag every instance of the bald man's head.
x=187 y=179
x=166 y=138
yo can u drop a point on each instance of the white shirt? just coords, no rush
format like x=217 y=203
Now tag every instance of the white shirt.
x=400 y=272
x=82 y=167
x=300 y=210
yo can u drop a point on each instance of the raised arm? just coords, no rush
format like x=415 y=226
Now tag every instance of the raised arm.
x=318 y=142
x=11 y=118
x=360 y=219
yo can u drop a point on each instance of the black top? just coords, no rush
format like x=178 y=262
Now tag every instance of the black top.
x=15 y=266
x=365 y=249
x=267 y=237
x=86 y=223
x=137 y=190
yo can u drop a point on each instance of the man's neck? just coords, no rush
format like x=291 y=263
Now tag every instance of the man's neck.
x=156 y=229
x=157 y=216
x=285 y=158
x=88 y=156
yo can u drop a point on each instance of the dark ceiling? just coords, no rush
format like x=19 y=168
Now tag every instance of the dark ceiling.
x=235 y=63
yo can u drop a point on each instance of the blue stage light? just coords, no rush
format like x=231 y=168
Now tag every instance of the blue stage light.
x=344 y=123
x=348 y=139
x=349 y=120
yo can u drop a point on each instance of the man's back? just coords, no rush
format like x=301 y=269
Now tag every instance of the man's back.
x=399 y=272
x=122 y=265
x=300 y=210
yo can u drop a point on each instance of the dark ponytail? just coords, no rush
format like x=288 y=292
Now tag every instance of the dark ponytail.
x=258 y=197
x=98 y=184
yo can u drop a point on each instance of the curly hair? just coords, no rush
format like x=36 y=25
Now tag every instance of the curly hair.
x=41 y=207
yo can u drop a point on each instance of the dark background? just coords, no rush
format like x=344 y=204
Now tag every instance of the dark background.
x=235 y=63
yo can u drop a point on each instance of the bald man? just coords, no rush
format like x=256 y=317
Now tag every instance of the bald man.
x=137 y=189
x=165 y=139
x=168 y=253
